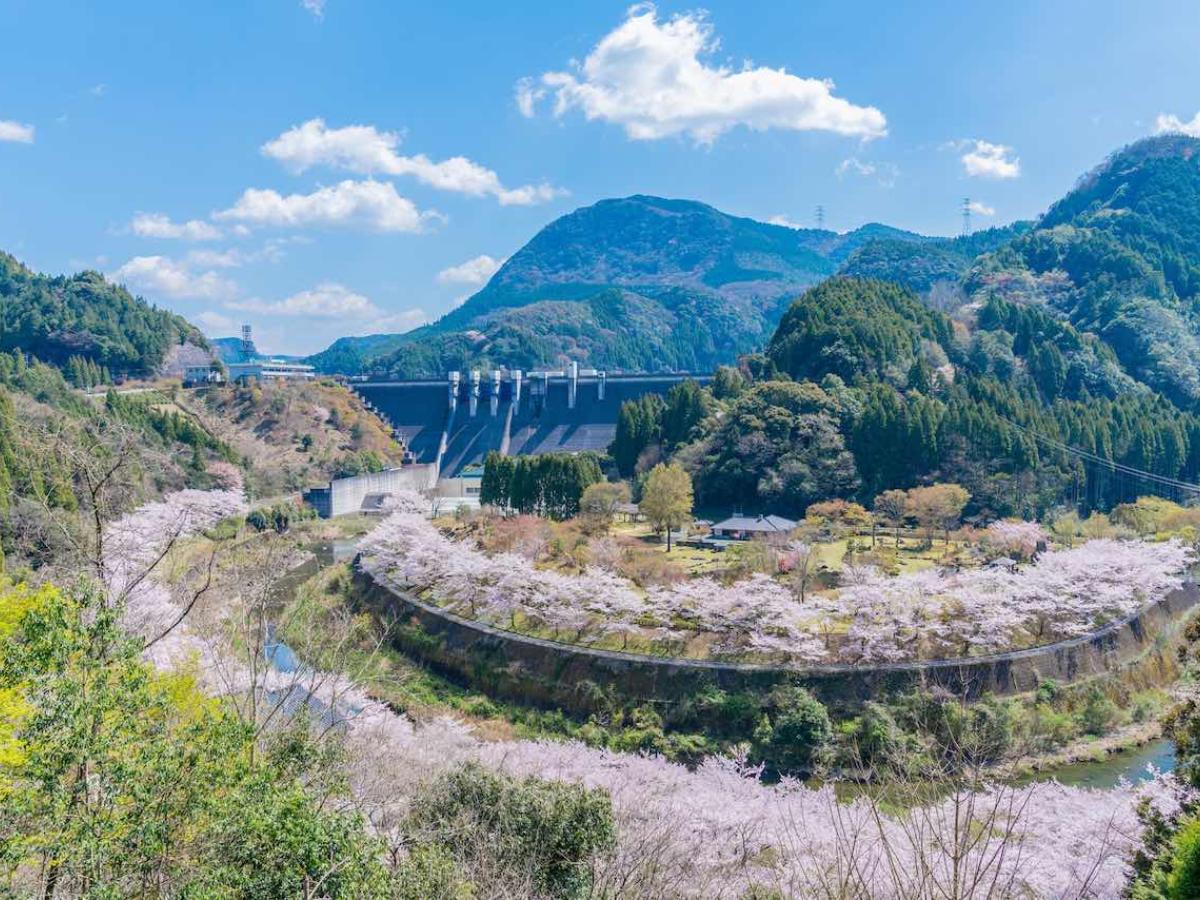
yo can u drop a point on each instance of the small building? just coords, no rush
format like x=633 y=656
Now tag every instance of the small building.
x=628 y=512
x=267 y=369
x=466 y=485
x=198 y=376
x=744 y=528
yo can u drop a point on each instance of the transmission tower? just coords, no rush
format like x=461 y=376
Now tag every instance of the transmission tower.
x=820 y=217
x=966 y=216
x=247 y=343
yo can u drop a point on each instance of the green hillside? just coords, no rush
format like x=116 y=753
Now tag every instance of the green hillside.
x=639 y=283
x=1119 y=256
x=55 y=318
x=864 y=389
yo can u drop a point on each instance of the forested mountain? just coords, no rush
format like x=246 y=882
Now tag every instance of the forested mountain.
x=1119 y=256
x=933 y=268
x=640 y=283
x=55 y=318
x=864 y=389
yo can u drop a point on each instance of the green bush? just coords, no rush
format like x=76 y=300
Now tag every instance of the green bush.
x=430 y=873
x=279 y=517
x=1099 y=714
x=546 y=831
x=795 y=731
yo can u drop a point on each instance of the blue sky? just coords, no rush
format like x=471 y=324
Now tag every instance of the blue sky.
x=320 y=169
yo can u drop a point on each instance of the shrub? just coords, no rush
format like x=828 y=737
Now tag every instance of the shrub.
x=796 y=732
x=544 y=831
x=1099 y=714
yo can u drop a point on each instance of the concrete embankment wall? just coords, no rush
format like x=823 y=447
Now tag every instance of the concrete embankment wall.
x=548 y=673
x=346 y=495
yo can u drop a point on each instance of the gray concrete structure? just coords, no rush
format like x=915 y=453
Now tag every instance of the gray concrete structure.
x=368 y=493
x=572 y=410
x=571 y=676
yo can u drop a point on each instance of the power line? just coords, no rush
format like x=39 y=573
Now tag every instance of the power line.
x=1112 y=465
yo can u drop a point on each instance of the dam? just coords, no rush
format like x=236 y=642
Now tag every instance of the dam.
x=456 y=422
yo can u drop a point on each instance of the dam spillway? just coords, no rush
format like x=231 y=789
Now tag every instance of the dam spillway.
x=513 y=412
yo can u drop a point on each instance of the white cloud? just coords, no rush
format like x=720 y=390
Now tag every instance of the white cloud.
x=98 y=90
x=784 y=221
x=157 y=225
x=217 y=259
x=327 y=300
x=367 y=151
x=162 y=276
x=15 y=132
x=214 y=324
x=1168 y=122
x=372 y=204
x=316 y=7
x=473 y=271
x=648 y=77
x=987 y=160
x=527 y=94
x=885 y=173
x=981 y=209
x=233 y=257
x=854 y=165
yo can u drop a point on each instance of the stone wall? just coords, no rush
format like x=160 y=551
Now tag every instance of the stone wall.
x=548 y=673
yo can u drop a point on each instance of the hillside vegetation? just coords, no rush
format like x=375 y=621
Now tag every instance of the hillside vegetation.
x=639 y=283
x=55 y=318
x=1118 y=256
x=863 y=389
x=293 y=435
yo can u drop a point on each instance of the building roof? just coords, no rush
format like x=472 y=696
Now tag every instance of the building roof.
x=474 y=470
x=763 y=524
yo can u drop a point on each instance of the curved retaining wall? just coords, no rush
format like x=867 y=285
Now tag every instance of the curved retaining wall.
x=533 y=670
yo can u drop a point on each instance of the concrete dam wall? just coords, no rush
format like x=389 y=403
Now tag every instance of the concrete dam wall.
x=457 y=421
x=550 y=673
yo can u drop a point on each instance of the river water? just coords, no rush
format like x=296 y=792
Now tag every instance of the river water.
x=1133 y=765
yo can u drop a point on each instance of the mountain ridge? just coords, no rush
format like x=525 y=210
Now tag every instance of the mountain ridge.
x=706 y=286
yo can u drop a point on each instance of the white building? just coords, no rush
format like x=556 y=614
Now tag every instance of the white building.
x=266 y=369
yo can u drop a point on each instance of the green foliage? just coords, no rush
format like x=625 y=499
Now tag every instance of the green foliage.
x=598 y=503
x=779 y=441
x=639 y=425
x=856 y=329
x=547 y=484
x=360 y=463
x=1116 y=257
x=546 y=831
x=279 y=517
x=175 y=794
x=686 y=406
x=86 y=317
x=794 y=731
x=170 y=427
x=495 y=486
x=1176 y=873
x=667 y=498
